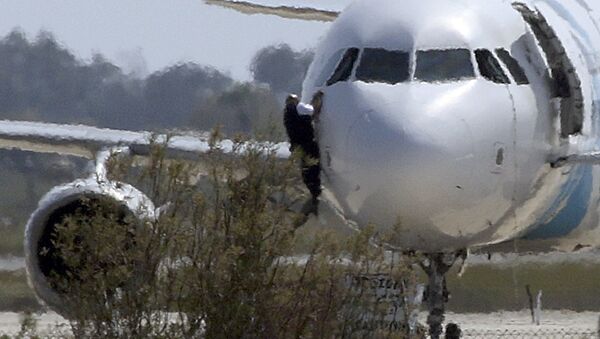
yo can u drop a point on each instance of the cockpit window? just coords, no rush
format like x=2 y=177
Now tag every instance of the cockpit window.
x=327 y=70
x=344 y=68
x=381 y=65
x=444 y=65
x=513 y=66
x=489 y=67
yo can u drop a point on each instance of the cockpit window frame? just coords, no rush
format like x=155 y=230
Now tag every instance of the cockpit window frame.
x=500 y=76
x=327 y=77
x=356 y=63
x=353 y=53
x=518 y=74
x=329 y=67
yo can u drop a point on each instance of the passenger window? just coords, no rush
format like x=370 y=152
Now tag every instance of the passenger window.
x=344 y=68
x=489 y=67
x=381 y=65
x=444 y=65
x=513 y=66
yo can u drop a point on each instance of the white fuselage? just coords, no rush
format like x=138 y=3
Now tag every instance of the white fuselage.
x=461 y=160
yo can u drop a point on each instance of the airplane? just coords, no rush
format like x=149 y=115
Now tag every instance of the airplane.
x=455 y=124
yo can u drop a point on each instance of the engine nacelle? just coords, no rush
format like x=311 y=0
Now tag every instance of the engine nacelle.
x=58 y=204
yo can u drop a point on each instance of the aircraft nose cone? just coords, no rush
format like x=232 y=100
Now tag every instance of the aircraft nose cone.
x=408 y=162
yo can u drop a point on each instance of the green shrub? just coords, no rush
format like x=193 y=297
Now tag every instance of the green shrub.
x=218 y=261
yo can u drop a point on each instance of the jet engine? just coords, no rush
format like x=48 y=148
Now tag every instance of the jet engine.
x=43 y=260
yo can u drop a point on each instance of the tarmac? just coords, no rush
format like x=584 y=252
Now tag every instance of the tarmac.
x=511 y=324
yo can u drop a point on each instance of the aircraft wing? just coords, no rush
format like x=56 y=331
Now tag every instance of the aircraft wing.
x=87 y=141
x=311 y=10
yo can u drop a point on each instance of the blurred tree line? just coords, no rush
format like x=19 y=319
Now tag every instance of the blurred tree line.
x=43 y=81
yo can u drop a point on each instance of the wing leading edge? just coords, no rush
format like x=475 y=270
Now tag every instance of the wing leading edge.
x=87 y=141
x=301 y=11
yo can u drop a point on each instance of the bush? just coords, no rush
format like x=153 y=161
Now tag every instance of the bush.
x=217 y=262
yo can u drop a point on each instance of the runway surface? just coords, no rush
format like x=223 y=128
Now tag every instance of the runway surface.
x=499 y=260
x=553 y=323
x=10 y=263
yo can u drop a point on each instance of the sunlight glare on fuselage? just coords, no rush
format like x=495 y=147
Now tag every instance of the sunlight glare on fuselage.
x=451 y=97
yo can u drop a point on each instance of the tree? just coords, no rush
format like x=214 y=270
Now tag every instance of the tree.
x=281 y=68
x=172 y=96
x=244 y=108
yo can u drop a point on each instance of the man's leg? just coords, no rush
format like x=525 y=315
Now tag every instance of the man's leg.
x=311 y=175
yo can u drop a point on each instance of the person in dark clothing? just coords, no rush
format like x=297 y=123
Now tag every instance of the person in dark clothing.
x=301 y=134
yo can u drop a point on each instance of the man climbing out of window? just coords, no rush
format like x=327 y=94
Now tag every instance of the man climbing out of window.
x=298 y=121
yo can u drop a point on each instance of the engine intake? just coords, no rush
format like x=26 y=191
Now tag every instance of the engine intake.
x=43 y=260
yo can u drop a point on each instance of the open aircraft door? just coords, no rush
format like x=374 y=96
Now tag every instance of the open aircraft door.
x=566 y=81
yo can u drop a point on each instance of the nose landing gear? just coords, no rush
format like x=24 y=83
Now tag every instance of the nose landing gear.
x=436 y=265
